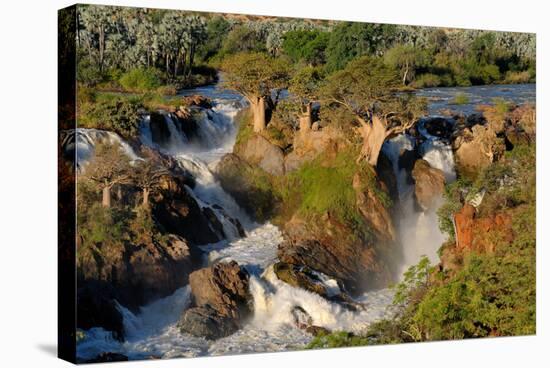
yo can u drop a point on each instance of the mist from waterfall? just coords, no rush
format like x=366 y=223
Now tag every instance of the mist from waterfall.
x=418 y=231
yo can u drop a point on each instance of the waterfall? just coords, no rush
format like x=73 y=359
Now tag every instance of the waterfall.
x=81 y=143
x=418 y=231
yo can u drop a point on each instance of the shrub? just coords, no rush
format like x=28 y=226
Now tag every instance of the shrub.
x=337 y=340
x=114 y=114
x=460 y=99
x=88 y=74
x=141 y=80
x=427 y=80
x=517 y=77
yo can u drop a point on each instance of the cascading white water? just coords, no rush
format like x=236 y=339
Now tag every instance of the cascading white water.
x=82 y=142
x=418 y=231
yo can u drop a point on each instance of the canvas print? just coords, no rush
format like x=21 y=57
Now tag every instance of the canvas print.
x=234 y=184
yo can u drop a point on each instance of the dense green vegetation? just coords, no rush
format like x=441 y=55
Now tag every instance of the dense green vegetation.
x=139 y=49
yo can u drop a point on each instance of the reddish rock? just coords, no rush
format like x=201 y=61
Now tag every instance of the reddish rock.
x=478 y=234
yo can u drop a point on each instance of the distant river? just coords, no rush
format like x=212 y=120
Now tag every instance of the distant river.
x=442 y=98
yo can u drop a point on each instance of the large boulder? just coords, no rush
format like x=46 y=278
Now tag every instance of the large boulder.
x=96 y=307
x=179 y=213
x=224 y=286
x=221 y=301
x=259 y=151
x=205 y=321
x=305 y=278
x=481 y=140
x=248 y=185
x=324 y=245
x=429 y=184
x=477 y=148
x=135 y=273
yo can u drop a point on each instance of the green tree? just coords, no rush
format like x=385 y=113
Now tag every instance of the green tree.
x=306 y=45
x=108 y=167
x=349 y=40
x=217 y=29
x=147 y=176
x=366 y=89
x=305 y=85
x=406 y=59
x=256 y=76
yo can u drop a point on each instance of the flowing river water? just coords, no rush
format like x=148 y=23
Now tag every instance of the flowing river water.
x=153 y=332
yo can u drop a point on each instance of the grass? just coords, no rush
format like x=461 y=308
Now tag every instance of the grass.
x=460 y=99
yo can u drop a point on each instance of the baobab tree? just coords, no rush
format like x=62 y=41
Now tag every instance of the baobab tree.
x=305 y=86
x=108 y=167
x=147 y=176
x=367 y=89
x=256 y=76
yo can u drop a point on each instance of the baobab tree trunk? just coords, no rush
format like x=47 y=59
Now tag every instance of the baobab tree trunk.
x=374 y=135
x=258 y=110
x=406 y=74
x=306 y=119
x=145 y=197
x=106 y=200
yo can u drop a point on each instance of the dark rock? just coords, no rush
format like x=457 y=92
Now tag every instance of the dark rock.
x=205 y=321
x=223 y=286
x=107 y=358
x=300 y=276
x=216 y=224
x=138 y=273
x=96 y=308
x=221 y=298
x=406 y=161
x=303 y=321
x=384 y=169
x=178 y=212
x=440 y=127
x=160 y=133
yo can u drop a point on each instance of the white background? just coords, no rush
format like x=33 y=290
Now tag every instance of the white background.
x=28 y=224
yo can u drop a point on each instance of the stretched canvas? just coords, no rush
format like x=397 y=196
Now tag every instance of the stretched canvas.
x=234 y=184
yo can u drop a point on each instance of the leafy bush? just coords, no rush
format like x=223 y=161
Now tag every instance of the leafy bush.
x=337 y=340
x=461 y=99
x=88 y=74
x=141 y=80
x=306 y=45
x=115 y=114
x=427 y=80
x=513 y=77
